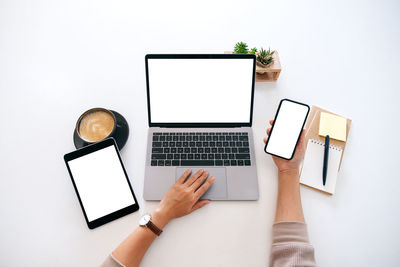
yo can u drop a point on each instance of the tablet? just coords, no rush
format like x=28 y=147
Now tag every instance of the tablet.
x=101 y=183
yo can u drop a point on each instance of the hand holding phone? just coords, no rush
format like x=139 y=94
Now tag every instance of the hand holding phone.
x=296 y=161
x=286 y=129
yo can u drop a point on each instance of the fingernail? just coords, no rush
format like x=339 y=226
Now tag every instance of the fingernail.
x=212 y=178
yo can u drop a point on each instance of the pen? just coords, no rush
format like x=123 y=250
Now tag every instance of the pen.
x=326 y=156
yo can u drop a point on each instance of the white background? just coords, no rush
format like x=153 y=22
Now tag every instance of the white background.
x=177 y=86
x=60 y=58
x=287 y=127
x=101 y=183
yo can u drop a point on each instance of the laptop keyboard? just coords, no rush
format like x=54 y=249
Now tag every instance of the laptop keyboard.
x=200 y=149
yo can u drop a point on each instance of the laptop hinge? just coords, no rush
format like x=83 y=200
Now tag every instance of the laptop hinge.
x=183 y=127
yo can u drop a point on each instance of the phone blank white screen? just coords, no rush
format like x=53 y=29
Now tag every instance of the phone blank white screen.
x=287 y=127
x=101 y=183
x=200 y=90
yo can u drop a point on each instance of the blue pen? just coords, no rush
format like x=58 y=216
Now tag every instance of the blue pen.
x=326 y=156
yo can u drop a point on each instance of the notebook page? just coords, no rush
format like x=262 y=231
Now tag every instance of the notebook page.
x=311 y=173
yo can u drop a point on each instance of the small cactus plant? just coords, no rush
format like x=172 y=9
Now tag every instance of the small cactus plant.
x=253 y=51
x=240 y=48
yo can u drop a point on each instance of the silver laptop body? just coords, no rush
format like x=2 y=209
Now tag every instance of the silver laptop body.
x=200 y=116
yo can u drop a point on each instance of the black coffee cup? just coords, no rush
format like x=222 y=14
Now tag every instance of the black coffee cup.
x=97 y=124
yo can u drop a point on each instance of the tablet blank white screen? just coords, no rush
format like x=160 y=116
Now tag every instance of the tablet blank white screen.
x=287 y=128
x=101 y=183
x=200 y=90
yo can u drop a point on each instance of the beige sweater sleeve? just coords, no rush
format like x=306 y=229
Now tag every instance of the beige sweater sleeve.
x=290 y=246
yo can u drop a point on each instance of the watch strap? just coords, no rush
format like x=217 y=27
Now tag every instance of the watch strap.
x=154 y=228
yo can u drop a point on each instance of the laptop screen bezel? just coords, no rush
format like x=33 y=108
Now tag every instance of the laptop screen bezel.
x=200 y=56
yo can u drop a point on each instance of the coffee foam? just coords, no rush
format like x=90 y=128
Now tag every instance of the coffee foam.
x=96 y=126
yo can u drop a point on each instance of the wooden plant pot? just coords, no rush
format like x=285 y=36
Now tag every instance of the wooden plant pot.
x=269 y=73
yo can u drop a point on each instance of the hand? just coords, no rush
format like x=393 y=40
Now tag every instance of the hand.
x=183 y=197
x=295 y=163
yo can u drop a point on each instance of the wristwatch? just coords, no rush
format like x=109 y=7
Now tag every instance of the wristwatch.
x=145 y=221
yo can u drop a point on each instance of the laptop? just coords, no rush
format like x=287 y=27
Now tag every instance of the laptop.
x=200 y=110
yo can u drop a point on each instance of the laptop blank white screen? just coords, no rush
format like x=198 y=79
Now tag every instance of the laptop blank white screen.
x=200 y=90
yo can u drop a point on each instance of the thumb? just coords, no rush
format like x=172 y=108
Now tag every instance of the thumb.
x=200 y=204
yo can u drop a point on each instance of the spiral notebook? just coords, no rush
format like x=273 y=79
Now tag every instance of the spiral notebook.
x=311 y=174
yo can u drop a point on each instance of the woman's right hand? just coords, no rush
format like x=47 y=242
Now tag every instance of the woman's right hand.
x=183 y=197
x=295 y=163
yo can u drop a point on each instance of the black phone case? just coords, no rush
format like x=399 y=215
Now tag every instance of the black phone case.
x=272 y=128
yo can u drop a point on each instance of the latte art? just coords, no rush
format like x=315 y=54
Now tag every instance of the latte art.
x=96 y=126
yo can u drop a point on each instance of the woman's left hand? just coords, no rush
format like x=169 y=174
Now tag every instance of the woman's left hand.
x=183 y=197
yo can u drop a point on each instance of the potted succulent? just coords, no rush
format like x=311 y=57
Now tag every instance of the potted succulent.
x=265 y=57
x=268 y=65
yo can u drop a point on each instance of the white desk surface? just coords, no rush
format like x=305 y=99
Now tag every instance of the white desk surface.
x=60 y=58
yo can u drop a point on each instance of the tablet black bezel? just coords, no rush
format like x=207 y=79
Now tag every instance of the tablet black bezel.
x=90 y=149
x=301 y=130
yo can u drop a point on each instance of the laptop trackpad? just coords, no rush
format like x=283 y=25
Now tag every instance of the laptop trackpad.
x=218 y=189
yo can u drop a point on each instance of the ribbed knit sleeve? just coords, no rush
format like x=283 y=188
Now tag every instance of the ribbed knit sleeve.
x=290 y=246
x=112 y=262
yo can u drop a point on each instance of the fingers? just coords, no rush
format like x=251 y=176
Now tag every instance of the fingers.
x=184 y=176
x=196 y=184
x=200 y=204
x=269 y=129
x=268 y=132
x=194 y=177
x=202 y=189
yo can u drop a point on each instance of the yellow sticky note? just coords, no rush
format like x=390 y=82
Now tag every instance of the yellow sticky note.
x=332 y=125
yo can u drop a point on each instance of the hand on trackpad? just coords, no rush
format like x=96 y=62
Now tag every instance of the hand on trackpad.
x=218 y=190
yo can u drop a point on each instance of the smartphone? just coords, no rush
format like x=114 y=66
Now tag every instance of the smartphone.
x=286 y=129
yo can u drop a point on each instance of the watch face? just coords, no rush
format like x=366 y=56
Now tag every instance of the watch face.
x=145 y=219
